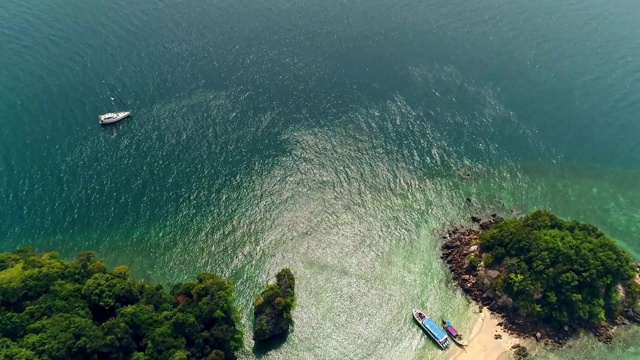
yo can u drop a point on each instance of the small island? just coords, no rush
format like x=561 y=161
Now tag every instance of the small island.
x=56 y=309
x=548 y=278
x=272 y=309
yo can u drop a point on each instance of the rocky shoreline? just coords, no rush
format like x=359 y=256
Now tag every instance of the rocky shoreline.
x=461 y=253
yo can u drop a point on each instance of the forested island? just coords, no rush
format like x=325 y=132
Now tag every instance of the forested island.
x=272 y=309
x=548 y=277
x=56 y=309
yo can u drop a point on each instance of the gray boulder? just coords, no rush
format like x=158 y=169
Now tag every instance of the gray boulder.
x=492 y=274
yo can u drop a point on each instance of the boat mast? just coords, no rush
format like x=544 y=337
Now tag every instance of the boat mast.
x=114 y=104
x=113 y=94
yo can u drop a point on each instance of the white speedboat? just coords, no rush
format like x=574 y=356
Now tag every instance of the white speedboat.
x=110 y=118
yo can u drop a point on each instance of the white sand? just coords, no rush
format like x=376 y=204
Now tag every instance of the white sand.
x=482 y=345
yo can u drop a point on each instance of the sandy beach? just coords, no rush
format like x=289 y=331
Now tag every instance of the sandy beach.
x=482 y=344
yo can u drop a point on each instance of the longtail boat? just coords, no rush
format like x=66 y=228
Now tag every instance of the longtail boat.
x=453 y=333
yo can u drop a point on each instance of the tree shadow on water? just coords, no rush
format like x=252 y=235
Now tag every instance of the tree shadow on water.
x=261 y=348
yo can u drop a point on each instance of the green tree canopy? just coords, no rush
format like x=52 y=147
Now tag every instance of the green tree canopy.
x=56 y=309
x=560 y=271
x=272 y=309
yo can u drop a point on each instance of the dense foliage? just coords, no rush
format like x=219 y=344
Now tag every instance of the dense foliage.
x=273 y=307
x=559 y=271
x=56 y=309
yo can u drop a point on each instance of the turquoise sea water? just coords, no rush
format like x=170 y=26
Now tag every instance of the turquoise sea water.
x=332 y=137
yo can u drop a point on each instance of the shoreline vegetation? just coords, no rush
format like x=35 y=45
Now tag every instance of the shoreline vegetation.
x=536 y=279
x=543 y=279
x=56 y=309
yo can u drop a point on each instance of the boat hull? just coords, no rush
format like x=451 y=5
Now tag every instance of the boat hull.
x=111 y=118
x=458 y=342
